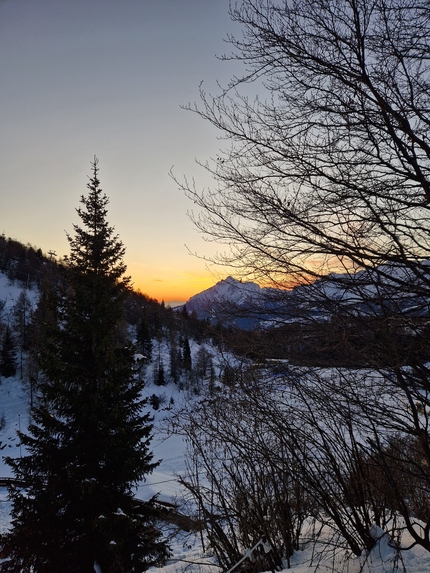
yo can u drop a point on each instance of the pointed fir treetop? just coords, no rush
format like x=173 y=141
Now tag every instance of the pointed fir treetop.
x=95 y=248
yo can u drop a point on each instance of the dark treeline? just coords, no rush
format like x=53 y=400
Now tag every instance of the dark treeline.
x=340 y=341
x=29 y=268
x=25 y=264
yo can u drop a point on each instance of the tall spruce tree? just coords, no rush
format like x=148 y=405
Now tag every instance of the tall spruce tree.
x=88 y=445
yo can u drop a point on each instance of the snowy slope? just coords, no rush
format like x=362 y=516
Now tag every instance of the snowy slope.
x=14 y=407
x=9 y=293
x=230 y=301
x=228 y=290
x=186 y=548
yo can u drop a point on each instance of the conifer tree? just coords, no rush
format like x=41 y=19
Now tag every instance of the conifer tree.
x=160 y=379
x=88 y=445
x=21 y=318
x=8 y=355
x=175 y=359
x=186 y=354
x=144 y=339
x=22 y=311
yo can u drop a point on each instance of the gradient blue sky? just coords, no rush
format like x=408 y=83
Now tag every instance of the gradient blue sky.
x=107 y=77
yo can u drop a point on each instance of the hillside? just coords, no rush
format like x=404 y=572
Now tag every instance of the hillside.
x=221 y=421
x=186 y=546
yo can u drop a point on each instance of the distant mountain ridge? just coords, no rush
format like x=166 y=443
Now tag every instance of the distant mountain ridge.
x=394 y=289
x=226 y=300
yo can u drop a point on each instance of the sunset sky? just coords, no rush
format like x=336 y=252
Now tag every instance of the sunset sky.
x=81 y=78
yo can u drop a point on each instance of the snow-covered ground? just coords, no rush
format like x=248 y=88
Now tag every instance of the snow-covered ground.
x=187 y=553
x=10 y=292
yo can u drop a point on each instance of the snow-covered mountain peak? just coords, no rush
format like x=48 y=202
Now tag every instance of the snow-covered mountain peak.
x=228 y=290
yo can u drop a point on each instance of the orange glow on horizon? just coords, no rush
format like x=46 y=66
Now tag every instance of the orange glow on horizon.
x=171 y=292
x=169 y=285
x=183 y=289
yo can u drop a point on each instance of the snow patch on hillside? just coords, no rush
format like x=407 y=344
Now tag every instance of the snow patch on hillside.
x=10 y=292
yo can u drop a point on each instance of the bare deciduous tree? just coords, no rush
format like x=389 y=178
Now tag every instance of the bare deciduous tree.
x=240 y=477
x=331 y=170
x=327 y=179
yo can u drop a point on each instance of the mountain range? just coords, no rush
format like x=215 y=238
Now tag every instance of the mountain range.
x=392 y=289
